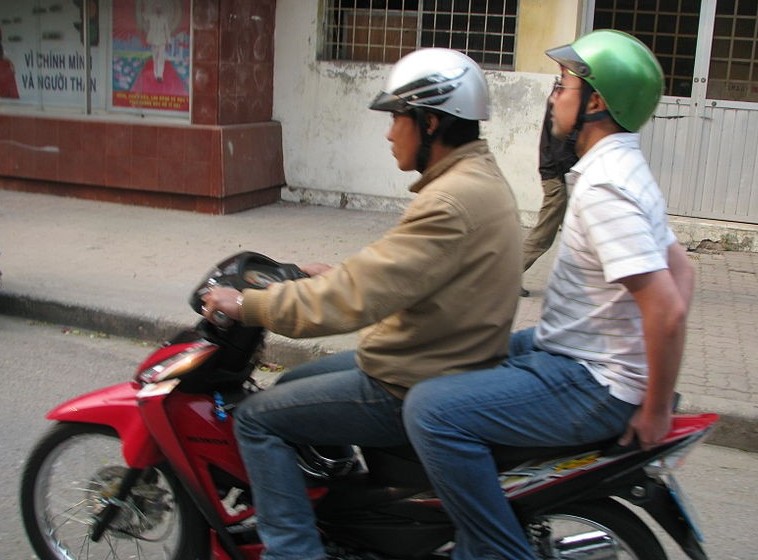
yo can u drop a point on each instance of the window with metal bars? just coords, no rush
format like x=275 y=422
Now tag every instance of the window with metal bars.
x=386 y=30
x=668 y=27
x=733 y=71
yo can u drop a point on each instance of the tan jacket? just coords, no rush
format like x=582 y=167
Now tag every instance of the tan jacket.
x=439 y=290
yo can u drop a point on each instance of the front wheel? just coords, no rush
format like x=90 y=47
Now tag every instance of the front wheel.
x=602 y=530
x=73 y=473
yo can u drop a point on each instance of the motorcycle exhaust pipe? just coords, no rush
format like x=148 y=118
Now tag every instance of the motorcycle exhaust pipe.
x=595 y=545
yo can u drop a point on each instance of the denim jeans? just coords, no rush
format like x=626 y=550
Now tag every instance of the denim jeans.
x=534 y=399
x=327 y=402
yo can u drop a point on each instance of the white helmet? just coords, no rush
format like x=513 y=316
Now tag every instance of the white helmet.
x=442 y=80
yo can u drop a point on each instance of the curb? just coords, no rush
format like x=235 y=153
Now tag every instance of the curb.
x=113 y=323
x=734 y=430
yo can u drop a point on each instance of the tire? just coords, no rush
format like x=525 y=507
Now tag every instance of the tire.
x=68 y=477
x=612 y=529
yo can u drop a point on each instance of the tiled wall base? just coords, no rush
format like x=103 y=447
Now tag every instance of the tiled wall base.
x=173 y=201
x=204 y=168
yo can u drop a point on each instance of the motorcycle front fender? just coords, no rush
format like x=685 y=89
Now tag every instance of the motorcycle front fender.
x=115 y=406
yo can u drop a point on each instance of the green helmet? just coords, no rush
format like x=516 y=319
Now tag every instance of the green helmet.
x=620 y=68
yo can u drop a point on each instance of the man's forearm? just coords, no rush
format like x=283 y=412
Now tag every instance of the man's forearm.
x=682 y=272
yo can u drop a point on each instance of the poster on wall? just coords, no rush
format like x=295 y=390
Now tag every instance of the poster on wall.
x=8 y=85
x=42 y=54
x=151 y=55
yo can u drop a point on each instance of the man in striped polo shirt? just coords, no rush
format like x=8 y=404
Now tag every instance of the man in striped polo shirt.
x=603 y=360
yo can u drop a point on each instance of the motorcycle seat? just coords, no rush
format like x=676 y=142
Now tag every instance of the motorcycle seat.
x=401 y=465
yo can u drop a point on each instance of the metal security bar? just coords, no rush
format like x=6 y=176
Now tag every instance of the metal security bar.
x=386 y=30
x=668 y=27
x=733 y=73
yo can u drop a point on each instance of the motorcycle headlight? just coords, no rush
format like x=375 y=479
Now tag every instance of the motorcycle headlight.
x=178 y=364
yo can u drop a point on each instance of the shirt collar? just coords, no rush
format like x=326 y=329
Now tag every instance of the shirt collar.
x=610 y=142
x=470 y=149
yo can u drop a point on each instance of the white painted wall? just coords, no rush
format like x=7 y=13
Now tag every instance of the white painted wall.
x=335 y=152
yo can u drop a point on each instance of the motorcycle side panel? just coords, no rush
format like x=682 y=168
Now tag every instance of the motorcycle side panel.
x=114 y=406
x=209 y=453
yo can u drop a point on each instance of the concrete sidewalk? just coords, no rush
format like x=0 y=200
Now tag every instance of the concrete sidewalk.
x=128 y=271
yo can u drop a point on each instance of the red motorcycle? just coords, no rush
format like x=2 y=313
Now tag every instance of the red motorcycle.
x=149 y=469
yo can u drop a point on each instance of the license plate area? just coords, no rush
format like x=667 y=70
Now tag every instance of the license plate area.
x=685 y=506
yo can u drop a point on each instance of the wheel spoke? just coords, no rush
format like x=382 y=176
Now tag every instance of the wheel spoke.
x=68 y=515
x=74 y=478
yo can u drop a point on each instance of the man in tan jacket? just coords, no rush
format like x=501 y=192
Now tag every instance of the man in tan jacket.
x=435 y=296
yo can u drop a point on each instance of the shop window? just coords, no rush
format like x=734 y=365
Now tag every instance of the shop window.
x=138 y=53
x=384 y=31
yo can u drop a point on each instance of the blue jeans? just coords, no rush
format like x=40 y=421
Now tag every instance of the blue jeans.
x=327 y=402
x=533 y=399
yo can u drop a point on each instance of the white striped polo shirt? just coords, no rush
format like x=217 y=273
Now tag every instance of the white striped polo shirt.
x=615 y=226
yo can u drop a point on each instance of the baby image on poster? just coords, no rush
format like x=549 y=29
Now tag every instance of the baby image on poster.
x=151 y=53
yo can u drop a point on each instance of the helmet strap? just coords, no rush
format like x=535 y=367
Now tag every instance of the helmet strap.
x=599 y=116
x=427 y=138
x=422 y=156
x=582 y=115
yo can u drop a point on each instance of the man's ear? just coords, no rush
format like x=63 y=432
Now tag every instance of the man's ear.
x=432 y=122
x=596 y=104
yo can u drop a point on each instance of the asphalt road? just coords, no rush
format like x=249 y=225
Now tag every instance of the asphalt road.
x=41 y=365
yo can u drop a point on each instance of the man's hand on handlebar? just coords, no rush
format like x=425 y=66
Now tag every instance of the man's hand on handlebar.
x=222 y=305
